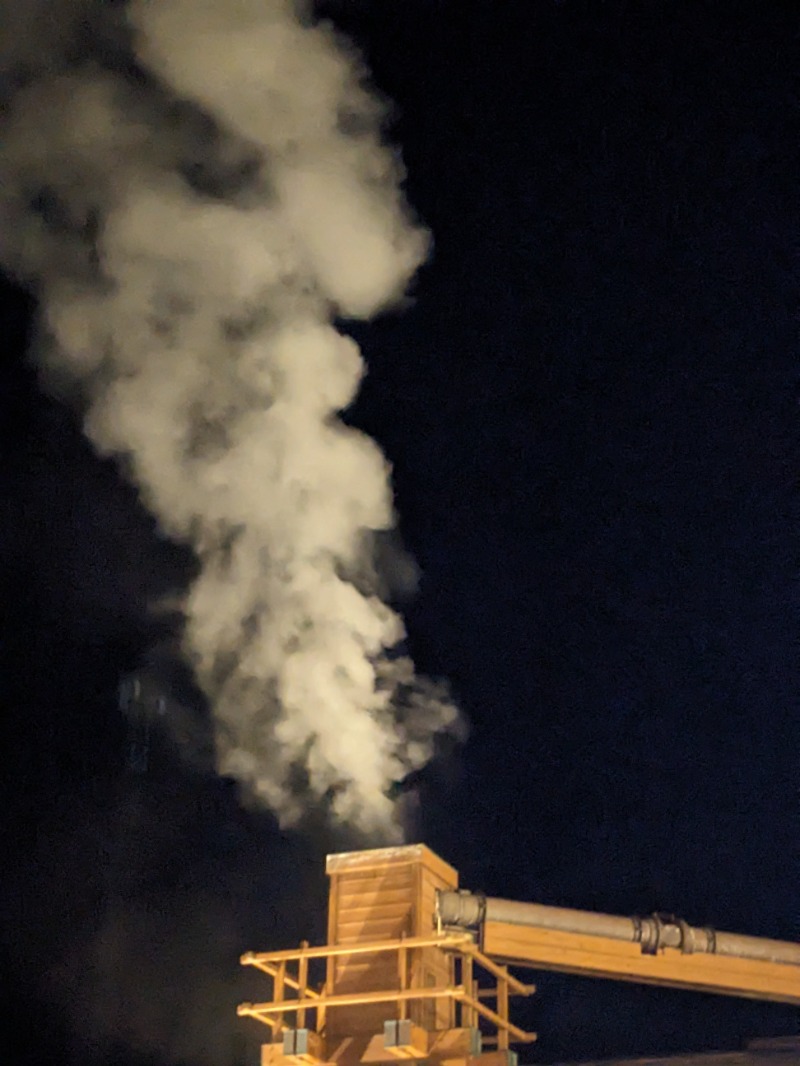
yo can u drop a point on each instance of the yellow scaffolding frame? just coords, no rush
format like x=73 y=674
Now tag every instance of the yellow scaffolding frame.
x=292 y=994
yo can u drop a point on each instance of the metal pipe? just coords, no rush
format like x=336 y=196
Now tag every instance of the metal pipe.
x=467 y=910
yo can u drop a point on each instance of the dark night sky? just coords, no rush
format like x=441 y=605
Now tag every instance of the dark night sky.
x=591 y=409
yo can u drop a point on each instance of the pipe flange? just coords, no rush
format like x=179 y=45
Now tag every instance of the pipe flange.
x=687 y=937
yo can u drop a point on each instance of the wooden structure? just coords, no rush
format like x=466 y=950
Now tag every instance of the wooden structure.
x=414 y=969
x=395 y=986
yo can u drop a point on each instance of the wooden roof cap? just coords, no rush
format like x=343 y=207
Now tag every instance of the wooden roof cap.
x=381 y=858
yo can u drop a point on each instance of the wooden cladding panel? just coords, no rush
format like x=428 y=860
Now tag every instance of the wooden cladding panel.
x=384 y=895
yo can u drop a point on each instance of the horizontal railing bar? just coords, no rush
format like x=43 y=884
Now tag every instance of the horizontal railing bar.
x=352 y=999
x=444 y=941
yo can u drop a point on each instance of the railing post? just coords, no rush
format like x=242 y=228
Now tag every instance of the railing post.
x=502 y=1010
x=280 y=990
x=321 y=1010
x=302 y=980
x=402 y=975
x=468 y=1019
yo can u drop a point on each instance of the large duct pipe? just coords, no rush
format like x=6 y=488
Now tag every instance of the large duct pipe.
x=467 y=910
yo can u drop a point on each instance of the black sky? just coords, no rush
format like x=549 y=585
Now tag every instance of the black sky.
x=591 y=409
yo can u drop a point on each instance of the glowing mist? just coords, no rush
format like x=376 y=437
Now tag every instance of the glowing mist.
x=194 y=201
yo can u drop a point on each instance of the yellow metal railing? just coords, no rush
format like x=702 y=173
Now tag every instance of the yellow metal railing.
x=292 y=995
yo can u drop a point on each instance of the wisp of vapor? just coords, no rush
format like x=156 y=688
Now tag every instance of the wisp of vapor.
x=197 y=191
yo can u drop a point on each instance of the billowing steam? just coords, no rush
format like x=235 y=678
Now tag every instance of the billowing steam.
x=196 y=188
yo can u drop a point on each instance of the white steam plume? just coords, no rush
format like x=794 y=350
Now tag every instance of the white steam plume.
x=196 y=188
